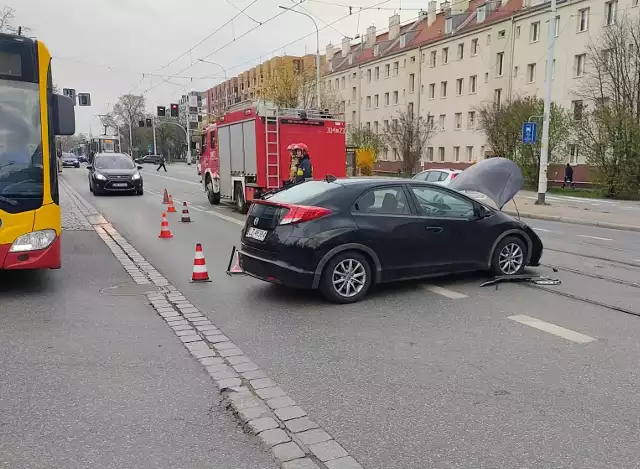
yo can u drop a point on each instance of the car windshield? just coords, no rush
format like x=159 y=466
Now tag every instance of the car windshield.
x=21 y=167
x=69 y=155
x=307 y=193
x=113 y=162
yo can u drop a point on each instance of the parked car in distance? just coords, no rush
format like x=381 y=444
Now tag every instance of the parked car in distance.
x=69 y=160
x=344 y=235
x=154 y=159
x=114 y=172
x=440 y=176
x=82 y=158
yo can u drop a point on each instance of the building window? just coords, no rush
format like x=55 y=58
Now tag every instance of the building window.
x=442 y=121
x=517 y=31
x=386 y=99
x=432 y=58
x=430 y=122
x=573 y=154
x=413 y=59
x=488 y=39
x=432 y=90
x=531 y=73
x=458 y=120
x=353 y=116
x=579 y=64
x=556 y=31
x=396 y=67
x=376 y=101
x=353 y=94
x=443 y=89
x=429 y=153
x=441 y=153
x=610 y=12
x=368 y=102
x=501 y=34
x=577 y=107
x=474 y=47
x=376 y=73
x=456 y=154
x=368 y=124
x=387 y=70
x=486 y=77
x=394 y=124
x=497 y=97
x=445 y=56
x=386 y=125
x=412 y=82
x=482 y=151
x=410 y=110
x=583 y=20
x=469 y=153
x=369 y=76
x=473 y=81
x=535 y=31
x=395 y=97
x=342 y=82
x=499 y=64
x=471 y=119
x=448 y=25
x=459 y=87
x=461 y=51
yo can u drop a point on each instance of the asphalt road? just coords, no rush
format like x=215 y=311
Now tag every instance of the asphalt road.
x=455 y=376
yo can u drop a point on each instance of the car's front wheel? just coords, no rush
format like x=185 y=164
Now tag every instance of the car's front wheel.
x=346 y=278
x=510 y=257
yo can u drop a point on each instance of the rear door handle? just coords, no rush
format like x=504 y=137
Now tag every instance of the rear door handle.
x=434 y=229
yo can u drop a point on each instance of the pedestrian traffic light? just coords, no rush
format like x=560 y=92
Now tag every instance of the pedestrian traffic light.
x=175 y=112
x=162 y=111
x=84 y=99
x=140 y=123
x=149 y=123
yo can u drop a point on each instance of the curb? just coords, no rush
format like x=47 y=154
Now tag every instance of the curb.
x=575 y=221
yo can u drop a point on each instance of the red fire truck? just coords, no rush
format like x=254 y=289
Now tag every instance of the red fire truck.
x=244 y=154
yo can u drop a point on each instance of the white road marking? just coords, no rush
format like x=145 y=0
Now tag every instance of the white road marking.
x=172 y=178
x=594 y=237
x=445 y=292
x=552 y=329
x=635 y=260
x=202 y=209
x=547 y=231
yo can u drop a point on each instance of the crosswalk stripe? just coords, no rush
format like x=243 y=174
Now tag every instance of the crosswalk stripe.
x=445 y=292
x=552 y=329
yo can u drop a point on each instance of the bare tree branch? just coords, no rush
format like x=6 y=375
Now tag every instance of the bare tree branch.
x=408 y=136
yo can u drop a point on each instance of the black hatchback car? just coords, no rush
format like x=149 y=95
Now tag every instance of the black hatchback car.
x=114 y=172
x=344 y=235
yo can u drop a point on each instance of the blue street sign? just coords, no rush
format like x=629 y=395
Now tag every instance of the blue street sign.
x=150 y=149
x=529 y=133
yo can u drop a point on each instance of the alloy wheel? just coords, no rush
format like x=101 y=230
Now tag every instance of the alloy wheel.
x=349 y=278
x=511 y=259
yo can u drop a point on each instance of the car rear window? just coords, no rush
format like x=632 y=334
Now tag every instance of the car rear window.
x=307 y=193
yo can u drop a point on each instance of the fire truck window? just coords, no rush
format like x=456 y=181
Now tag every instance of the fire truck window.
x=213 y=140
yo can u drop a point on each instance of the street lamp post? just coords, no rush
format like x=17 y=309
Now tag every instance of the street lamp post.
x=226 y=80
x=318 y=62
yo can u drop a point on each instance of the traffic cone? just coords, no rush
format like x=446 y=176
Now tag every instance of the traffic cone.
x=200 y=273
x=186 y=218
x=234 y=263
x=165 y=199
x=171 y=208
x=165 y=232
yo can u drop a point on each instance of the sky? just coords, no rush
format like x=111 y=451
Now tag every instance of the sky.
x=113 y=47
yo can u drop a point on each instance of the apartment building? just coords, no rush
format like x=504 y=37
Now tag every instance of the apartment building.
x=246 y=85
x=447 y=62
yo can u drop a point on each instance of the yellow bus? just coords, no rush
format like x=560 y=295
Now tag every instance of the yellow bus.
x=31 y=115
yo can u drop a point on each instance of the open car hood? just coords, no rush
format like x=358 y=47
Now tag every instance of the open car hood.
x=499 y=179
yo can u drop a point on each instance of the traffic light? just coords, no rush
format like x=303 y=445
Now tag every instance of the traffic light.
x=162 y=111
x=140 y=123
x=175 y=111
x=149 y=123
x=84 y=99
x=71 y=93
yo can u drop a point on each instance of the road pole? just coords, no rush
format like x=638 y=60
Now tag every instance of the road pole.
x=155 y=146
x=188 y=141
x=131 y=141
x=544 y=147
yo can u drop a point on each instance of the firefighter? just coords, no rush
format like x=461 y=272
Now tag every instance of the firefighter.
x=293 y=166
x=305 y=168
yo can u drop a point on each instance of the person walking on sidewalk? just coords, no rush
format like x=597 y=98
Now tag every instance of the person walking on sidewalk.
x=568 y=176
x=161 y=165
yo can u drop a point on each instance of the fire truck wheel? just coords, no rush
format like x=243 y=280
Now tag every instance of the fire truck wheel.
x=214 y=197
x=241 y=205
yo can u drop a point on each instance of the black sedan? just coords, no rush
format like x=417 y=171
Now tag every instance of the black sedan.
x=114 y=172
x=344 y=235
x=153 y=159
x=70 y=160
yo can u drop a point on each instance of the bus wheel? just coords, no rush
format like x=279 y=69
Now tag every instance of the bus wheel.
x=241 y=205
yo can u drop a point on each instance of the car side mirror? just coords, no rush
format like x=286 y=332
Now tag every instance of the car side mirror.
x=140 y=167
x=64 y=115
x=481 y=212
x=89 y=167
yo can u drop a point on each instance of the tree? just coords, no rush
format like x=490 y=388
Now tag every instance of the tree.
x=7 y=20
x=502 y=125
x=369 y=145
x=408 y=136
x=609 y=129
x=291 y=89
x=125 y=115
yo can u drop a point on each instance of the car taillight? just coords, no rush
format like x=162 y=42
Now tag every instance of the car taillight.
x=302 y=213
x=453 y=175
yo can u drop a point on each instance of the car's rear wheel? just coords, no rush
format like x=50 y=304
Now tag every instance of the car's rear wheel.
x=510 y=257
x=346 y=278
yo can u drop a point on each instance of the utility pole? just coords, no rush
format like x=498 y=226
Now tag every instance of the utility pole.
x=155 y=147
x=130 y=139
x=544 y=147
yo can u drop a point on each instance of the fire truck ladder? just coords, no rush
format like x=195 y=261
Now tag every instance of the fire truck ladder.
x=272 y=126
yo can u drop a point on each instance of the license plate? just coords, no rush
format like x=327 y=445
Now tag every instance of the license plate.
x=120 y=184
x=256 y=233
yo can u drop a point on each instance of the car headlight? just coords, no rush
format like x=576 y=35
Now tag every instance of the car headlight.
x=100 y=176
x=33 y=241
x=136 y=176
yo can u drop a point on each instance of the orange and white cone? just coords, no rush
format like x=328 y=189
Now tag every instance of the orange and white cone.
x=171 y=208
x=200 y=273
x=165 y=232
x=186 y=218
x=165 y=199
x=234 y=267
